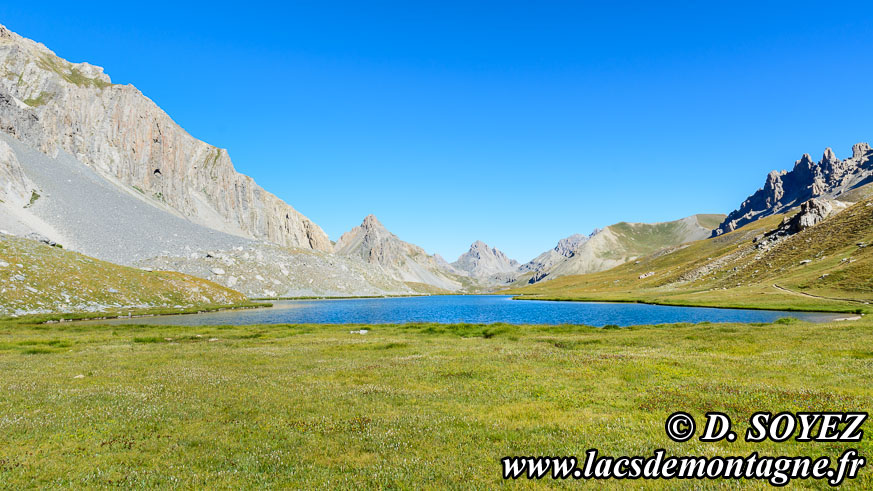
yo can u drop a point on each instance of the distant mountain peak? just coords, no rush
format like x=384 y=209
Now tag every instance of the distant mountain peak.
x=782 y=191
x=567 y=246
x=372 y=243
x=483 y=260
x=370 y=221
x=616 y=244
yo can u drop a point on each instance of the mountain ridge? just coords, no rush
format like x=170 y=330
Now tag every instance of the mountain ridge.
x=484 y=261
x=782 y=191
x=372 y=243
x=52 y=105
x=614 y=245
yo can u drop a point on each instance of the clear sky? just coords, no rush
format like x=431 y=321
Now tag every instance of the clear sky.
x=517 y=123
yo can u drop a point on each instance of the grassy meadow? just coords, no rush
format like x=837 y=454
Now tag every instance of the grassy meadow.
x=37 y=278
x=404 y=406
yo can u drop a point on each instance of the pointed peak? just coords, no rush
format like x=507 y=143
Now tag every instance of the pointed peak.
x=370 y=221
x=479 y=245
x=829 y=155
x=805 y=162
x=568 y=245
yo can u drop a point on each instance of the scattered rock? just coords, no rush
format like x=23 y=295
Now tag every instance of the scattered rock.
x=41 y=238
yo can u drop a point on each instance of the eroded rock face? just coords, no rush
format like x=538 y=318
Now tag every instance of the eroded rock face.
x=808 y=179
x=565 y=249
x=811 y=214
x=483 y=261
x=53 y=105
x=15 y=187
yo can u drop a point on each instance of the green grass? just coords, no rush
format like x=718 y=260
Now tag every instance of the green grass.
x=69 y=73
x=710 y=220
x=43 y=279
x=33 y=197
x=39 y=100
x=408 y=406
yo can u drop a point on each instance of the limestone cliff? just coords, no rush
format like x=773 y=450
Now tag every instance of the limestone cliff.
x=52 y=105
x=16 y=189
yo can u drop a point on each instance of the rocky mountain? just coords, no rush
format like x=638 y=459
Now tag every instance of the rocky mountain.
x=615 y=245
x=565 y=248
x=829 y=177
x=77 y=207
x=819 y=256
x=55 y=106
x=373 y=244
x=483 y=261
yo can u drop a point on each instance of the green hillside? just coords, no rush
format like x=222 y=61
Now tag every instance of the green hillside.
x=821 y=268
x=640 y=239
x=37 y=278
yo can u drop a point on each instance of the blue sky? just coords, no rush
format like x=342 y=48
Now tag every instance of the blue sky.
x=517 y=123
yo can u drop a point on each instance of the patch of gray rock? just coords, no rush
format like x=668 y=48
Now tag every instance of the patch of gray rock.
x=263 y=270
x=810 y=214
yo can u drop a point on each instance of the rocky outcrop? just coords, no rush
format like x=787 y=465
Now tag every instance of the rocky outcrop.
x=811 y=213
x=782 y=191
x=373 y=244
x=483 y=261
x=16 y=189
x=54 y=105
x=565 y=248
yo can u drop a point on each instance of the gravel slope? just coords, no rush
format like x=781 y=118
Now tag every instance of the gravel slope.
x=105 y=220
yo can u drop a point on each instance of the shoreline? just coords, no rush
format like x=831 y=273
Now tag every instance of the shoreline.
x=59 y=318
x=677 y=304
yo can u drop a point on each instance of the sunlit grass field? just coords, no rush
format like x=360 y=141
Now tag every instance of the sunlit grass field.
x=401 y=406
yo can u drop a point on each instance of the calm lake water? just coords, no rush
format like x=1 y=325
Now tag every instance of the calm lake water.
x=484 y=309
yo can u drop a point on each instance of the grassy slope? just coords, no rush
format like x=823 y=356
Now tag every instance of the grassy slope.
x=624 y=241
x=403 y=406
x=40 y=278
x=638 y=239
x=710 y=220
x=745 y=277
